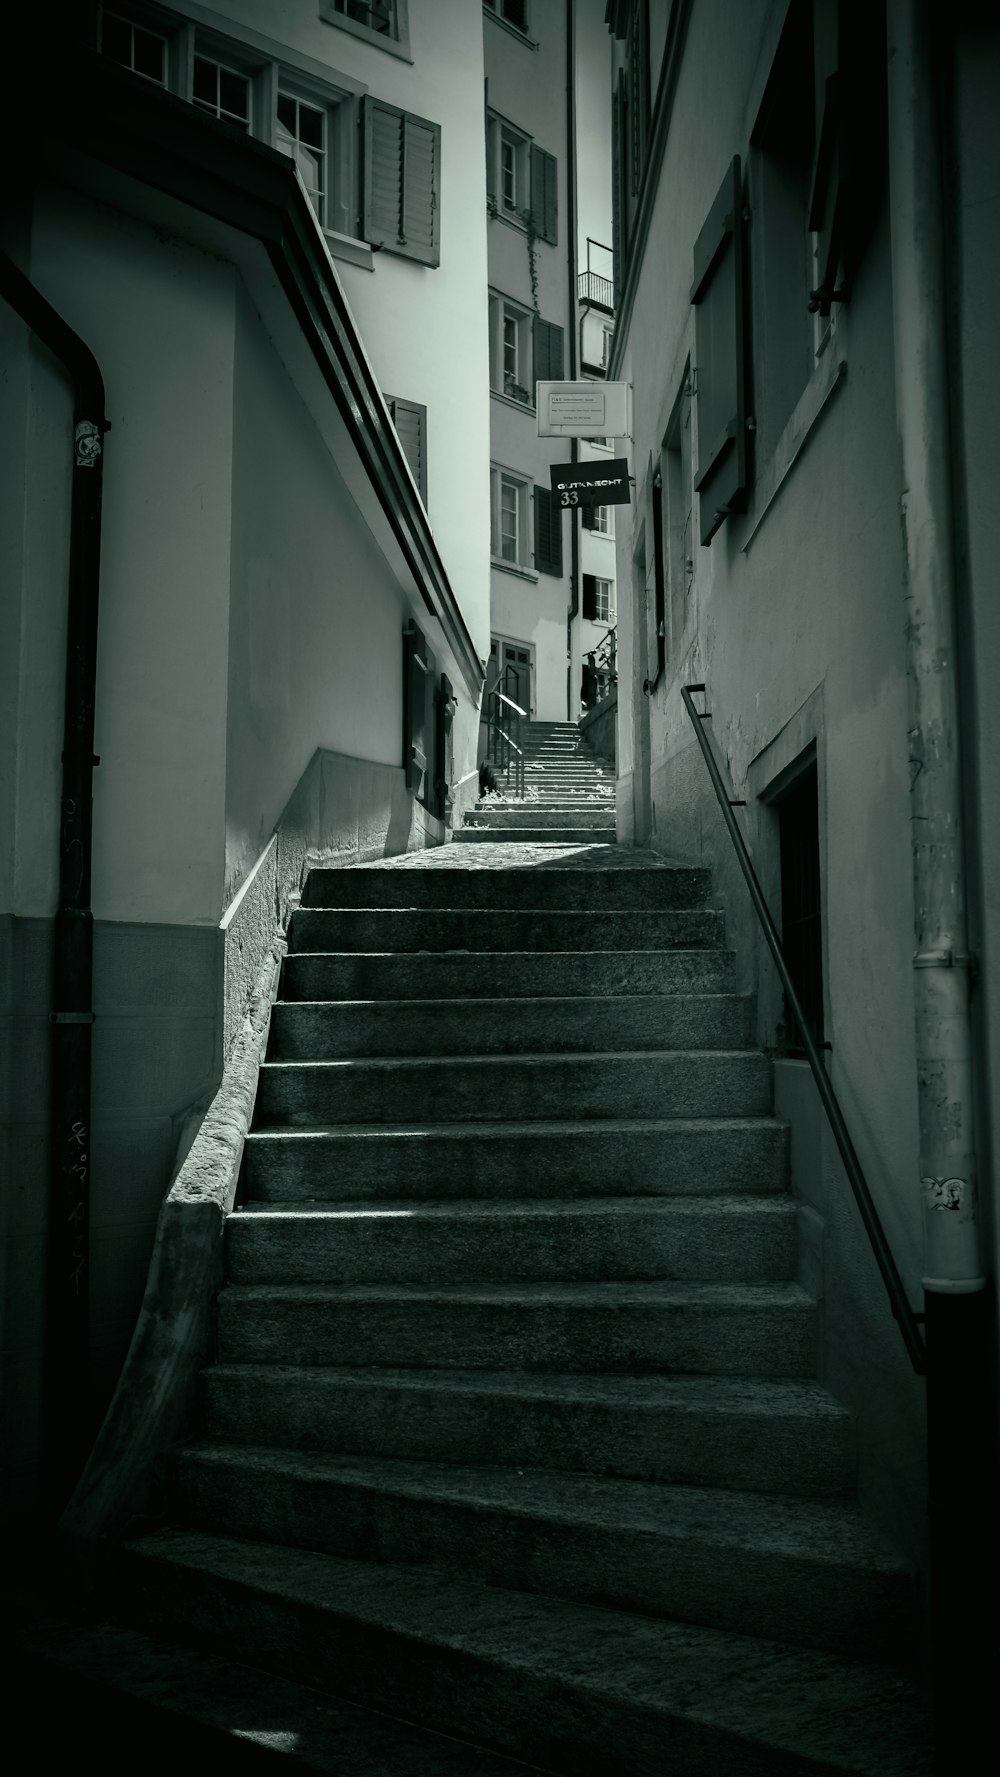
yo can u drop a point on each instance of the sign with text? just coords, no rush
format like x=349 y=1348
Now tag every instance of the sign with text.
x=583 y=410
x=591 y=484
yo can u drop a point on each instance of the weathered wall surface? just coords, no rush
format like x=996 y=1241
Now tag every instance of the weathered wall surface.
x=795 y=623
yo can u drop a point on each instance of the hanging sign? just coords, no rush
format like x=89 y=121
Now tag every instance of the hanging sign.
x=591 y=484
x=583 y=410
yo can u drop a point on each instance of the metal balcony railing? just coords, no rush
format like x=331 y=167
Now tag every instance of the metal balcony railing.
x=591 y=287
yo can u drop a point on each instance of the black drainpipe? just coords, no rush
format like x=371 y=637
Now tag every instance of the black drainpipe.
x=574 y=451
x=66 y=1398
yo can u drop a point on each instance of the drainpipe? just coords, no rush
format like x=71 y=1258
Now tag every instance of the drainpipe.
x=956 y=1300
x=574 y=448
x=66 y=1403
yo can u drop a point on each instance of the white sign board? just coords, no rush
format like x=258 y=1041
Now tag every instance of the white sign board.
x=584 y=410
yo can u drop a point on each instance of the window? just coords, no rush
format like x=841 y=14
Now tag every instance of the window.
x=509 y=517
x=548 y=532
x=134 y=46
x=402 y=162
x=513 y=12
x=524 y=350
x=679 y=513
x=384 y=22
x=379 y=16
x=410 y=421
x=521 y=178
x=301 y=132
x=597 y=598
x=630 y=109
x=599 y=519
x=225 y=92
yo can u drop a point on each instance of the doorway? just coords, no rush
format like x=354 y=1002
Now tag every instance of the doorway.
x=512 y=660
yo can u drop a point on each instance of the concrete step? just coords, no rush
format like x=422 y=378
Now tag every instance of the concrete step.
x=627 y=1329
x=588 y=1692
x=801 y=1571
x=617 y=885
x=504 y=929
x=118 y=1688
x=664 y=1083
x=725 y=1239
x=488 y=974
x=541 y=814
x=695 y=1431
x=555 y=1159
x=321 y=1030
x=535 y=835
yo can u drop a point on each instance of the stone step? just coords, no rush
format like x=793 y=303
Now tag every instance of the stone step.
x=801 y=1571
x=525 y=974
x=663 y=1083
x=398 y=929
x=725 y=1239
x=617 y=885
x=322 y=1030
x=126 y=1692
x=443 y=1161
x=541 y=814
x=535 y=835
x=627 y=1329
x=585 y=1691
x=696 y=1431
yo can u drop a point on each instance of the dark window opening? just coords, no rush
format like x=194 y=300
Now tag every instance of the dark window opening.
x=801 y=927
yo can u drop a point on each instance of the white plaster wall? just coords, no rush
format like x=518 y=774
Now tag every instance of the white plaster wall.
x=315 y=656
x=158 y=316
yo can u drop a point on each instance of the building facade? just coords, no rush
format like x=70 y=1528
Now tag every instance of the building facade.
x=806 y=236
x=267 y=227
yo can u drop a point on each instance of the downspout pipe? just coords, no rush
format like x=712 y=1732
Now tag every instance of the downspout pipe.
x=66 y=1416
x=572 y=702
x=956 y=1299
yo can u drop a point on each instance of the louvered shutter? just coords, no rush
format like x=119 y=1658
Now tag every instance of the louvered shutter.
x=722 y=475
x=826 y=209
x=410 y=421
x=548 y=351
x=588 y=515
x=548 y=532
x=544 y=193
x=402 y=155
x=618 y=215
x=590 y=597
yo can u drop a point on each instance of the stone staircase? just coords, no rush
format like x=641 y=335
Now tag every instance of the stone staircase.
x=569 y=794
x=513 y=1432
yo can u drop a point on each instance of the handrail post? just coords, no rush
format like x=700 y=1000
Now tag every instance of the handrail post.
x=899 y=1302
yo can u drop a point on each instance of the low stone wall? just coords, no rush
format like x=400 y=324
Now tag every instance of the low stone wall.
x=599 y=728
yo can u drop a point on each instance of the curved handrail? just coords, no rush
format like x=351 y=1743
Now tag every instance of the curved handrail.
x=903 y=1314
x=509 y=700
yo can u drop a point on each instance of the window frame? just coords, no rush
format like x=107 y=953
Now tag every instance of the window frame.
x=501 y=477
x=601 y=520
x=395 y=44
x=504 y=309
x=606 y=615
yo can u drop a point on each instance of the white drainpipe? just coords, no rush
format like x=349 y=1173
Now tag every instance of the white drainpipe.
x=941 y=958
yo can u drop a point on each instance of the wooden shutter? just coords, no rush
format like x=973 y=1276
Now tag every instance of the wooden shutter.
x=588 y=516
x=590 y=597
x=410 y=421
x=418 y=669
x=544 y=193
x=722 y=474
x=548 y=532
x=638 y=66
x=402 y=162
x=548 y=351
x=826 y=208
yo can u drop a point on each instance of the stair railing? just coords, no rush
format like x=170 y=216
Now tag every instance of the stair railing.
x=903 y=1314
x=606 y=663
x=503 y=719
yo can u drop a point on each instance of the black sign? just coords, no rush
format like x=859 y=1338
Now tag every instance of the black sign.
x=591 y=484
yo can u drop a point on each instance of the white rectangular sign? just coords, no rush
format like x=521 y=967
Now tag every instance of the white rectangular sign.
x=583 y=410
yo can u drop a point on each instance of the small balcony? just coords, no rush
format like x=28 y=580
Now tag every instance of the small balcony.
x=591 y=287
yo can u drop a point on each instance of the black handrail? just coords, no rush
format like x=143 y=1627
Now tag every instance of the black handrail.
x=902 y=1312
x=503 y=722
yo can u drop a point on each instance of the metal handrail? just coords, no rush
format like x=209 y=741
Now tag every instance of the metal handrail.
x=504 y=730
x=903 y=1314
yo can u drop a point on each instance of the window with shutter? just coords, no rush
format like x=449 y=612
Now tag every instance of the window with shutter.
x=548 y=532
x=590 y=597
x=722 y=477
x=548 y=351
x=544 y=194
x=410 y=421
x=401 y=209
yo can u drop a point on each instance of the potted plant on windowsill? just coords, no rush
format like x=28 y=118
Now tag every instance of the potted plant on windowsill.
x=516 y=391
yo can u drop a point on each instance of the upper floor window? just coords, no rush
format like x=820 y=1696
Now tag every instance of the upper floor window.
x=600 y=519
x=513 y=12
x=509 y=508
x=521 y=178
x=225 y=92
x=383 y=22
x=301 y=132
x=133 y=46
